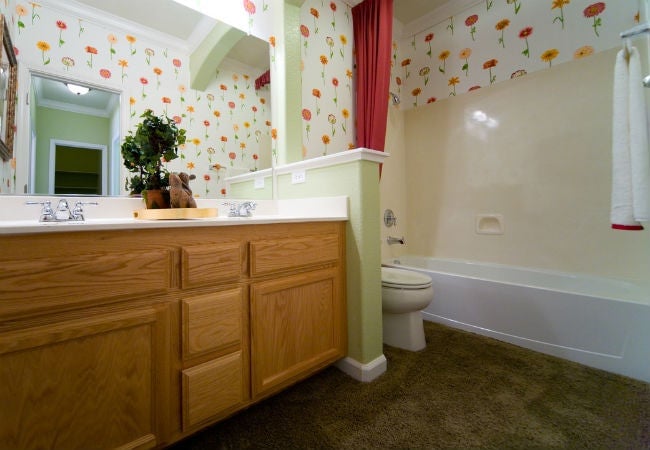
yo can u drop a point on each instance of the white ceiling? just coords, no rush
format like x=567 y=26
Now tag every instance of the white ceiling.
x=54 y=94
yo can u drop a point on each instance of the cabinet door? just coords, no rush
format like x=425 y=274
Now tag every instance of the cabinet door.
x=96 y=381
x=297 y=327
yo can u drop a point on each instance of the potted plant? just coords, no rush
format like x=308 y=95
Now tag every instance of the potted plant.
x=156 y=140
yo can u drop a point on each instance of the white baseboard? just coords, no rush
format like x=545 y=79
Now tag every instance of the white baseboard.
x=362 y=372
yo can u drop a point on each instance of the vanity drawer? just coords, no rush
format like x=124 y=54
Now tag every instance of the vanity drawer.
x=211 y=263
x=277 y=255
x=50 y=282
x=212 y=321
x=211 y=388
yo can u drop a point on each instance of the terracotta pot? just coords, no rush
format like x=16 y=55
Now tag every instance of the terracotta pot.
x=156 y=199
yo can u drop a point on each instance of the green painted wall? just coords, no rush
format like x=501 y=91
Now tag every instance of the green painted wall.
x=359 y=181
x=68 y=126
x=247 y=190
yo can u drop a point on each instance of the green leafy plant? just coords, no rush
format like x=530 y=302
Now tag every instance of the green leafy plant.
x=156 y=140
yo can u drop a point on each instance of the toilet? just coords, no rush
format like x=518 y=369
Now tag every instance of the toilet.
x=404 y=293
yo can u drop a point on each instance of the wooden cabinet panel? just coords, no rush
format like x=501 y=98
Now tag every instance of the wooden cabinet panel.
x=297 y=327
x=212 y=321
x=39 y=284
x=85 y=383
x=212 y=388
x=212 y=263
x=275 y=255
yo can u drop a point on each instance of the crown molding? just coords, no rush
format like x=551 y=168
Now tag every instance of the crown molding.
x=438 y=15
x=126 y=26
x=69 y=107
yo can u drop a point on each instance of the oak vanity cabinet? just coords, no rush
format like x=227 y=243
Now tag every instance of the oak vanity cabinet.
x=138 y=338
x=297 y=310
x=84 y=350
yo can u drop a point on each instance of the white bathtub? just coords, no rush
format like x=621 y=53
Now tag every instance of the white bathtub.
x=599 y=322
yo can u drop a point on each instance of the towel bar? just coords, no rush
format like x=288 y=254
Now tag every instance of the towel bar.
x=639 y=29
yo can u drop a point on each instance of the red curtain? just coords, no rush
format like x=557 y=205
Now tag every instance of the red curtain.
x=373 y=36
x=263 y=80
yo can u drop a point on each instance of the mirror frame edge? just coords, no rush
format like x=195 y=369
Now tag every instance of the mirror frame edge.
x=7 y=141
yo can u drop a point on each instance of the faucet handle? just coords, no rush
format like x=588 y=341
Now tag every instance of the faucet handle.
x=47 y=214
x=47 y=204
x=77 y=212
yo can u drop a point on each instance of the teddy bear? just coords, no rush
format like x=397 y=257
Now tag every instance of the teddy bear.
x=180 y=194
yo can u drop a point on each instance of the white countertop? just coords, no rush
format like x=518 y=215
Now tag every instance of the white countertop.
x=116 y=213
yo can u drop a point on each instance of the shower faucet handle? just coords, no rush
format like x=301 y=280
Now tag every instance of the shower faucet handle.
x=390 y=219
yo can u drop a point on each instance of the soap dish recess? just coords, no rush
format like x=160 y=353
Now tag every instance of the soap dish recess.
x=489 y=224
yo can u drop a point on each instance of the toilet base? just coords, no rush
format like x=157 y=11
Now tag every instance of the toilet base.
x=404 y=331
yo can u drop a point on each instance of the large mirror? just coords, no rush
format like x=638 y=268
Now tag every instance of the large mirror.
x=70 y=143
x=8 y=78
x=74 y=130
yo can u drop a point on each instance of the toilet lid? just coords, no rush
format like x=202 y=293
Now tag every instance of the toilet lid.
x=392 y=277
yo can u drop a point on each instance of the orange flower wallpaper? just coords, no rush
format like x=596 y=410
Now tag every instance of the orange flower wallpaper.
x=327 y=78
x=493 y=41
x=229 y=117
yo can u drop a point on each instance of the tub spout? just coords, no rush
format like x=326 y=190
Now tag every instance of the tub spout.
x=393 y=240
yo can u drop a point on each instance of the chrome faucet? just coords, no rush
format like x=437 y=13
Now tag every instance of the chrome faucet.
x=393 y=240
x=243 y=209
x=47 y=213
x=63 y=212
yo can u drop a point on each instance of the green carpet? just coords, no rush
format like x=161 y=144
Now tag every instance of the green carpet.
x=463 y=391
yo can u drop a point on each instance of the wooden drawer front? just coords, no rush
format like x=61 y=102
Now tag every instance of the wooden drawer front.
x=209 y=264
x=45 y=283
x=276 y=255
x=212 y=321
x=212 y=388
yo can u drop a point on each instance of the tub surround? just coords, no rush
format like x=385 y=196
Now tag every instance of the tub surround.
x=545 y=168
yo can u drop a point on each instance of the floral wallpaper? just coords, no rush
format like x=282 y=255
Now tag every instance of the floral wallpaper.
x=228 y=125
x=496 y=40
x=327 y=77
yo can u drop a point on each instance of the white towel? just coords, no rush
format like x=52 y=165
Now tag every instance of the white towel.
x=630 y=157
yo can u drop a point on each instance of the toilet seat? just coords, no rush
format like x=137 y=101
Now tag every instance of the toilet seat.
x=403 y=279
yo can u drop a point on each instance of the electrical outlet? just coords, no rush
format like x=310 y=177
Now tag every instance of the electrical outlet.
x=298 y=177
x=259 y=183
